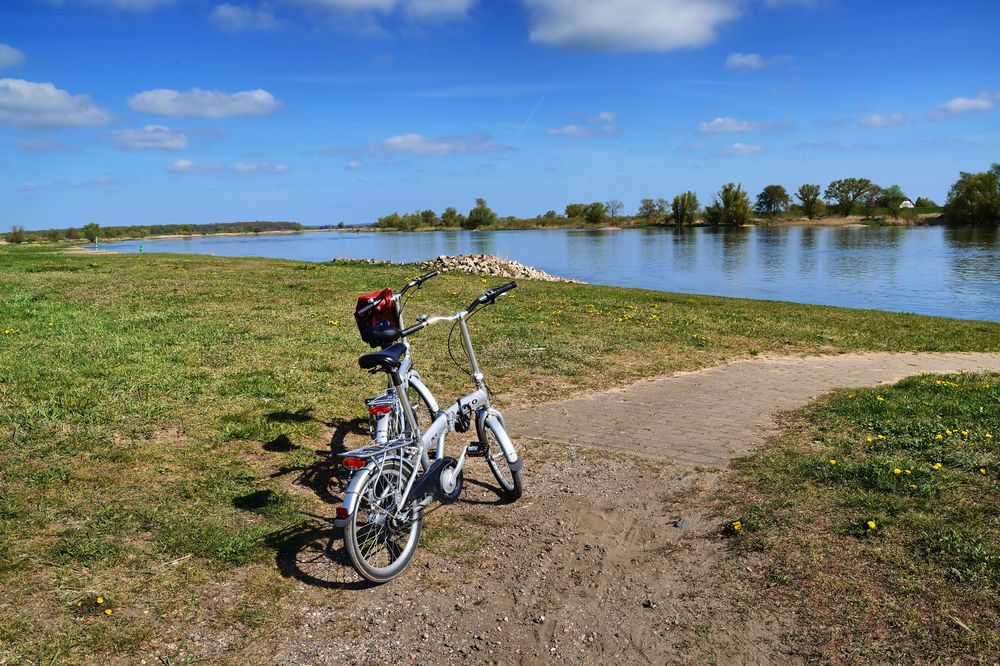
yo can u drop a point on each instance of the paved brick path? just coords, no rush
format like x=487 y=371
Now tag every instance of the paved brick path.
x=707 y=418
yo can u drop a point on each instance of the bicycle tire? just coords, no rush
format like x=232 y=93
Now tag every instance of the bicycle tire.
x=369 y=532
x=511 y=487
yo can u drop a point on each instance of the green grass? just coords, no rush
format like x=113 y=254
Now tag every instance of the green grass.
x=165 y=419
x=877 y=511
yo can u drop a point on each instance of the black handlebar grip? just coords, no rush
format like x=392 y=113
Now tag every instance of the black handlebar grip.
x=412 y=329
x=425 y=278
x=503 y=289
x=365 y=310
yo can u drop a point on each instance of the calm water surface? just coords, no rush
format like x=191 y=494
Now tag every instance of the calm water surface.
x=928 y=270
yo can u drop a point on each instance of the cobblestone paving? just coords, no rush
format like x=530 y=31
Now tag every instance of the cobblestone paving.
x=708 y=417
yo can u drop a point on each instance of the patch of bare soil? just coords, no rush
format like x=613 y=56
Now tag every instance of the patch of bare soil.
x=590 y=566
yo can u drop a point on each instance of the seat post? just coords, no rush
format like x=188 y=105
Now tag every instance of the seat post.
x=404 y=400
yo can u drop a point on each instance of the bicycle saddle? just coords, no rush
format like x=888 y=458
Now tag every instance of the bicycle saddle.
x=386 y=359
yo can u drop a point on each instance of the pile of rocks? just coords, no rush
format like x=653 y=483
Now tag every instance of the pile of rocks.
x=487 y=264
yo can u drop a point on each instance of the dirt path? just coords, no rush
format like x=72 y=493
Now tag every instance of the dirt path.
x=707 y=418
x=592 y=565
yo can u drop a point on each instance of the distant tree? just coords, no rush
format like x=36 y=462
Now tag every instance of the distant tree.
x=975 y=198
x=846 y=193
x=55 y=235
x=731 y=206
x=685 y=208
x=870 y=200
x=91 y=231
x=550 y=215
x=340 y=225
x=773 y=200
x=576 y=210
x=16 y=234
x=596 y=213
x=924 y=202
x=892 y=197
x=186 y=229
x=480 y=216
x=429 y=218
x=614 y=208
x=809 y=196
x=648 y=210
x=451 y=217
x=72 y=234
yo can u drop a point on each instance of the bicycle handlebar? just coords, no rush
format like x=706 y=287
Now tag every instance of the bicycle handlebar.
x=415 y=282
x=490 y=296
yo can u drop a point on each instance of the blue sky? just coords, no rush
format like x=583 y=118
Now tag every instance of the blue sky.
x=172 y=111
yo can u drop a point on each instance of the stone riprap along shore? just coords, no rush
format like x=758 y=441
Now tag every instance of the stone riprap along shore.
x=486 y=264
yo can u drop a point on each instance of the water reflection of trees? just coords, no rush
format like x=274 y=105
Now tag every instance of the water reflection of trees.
x=961 y=238
x=771 y=244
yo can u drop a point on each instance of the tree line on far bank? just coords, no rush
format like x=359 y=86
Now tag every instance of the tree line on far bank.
x=973 y=199
x=94 y=231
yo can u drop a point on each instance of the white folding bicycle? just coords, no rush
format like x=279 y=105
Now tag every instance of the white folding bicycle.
x=394 y=481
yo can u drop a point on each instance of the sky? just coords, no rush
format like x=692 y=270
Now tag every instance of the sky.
x=321 y=111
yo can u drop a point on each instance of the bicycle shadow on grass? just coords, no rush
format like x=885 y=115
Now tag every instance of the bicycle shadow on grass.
x=313 y=552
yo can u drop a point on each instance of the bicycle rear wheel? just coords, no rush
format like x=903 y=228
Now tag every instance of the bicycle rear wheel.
x=378 y=545
x=511 y=487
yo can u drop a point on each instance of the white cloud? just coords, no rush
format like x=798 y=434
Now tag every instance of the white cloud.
x=727 y=125
x=45 y=145
x=628 y=25
x=199 y=103
x=742 y=149
x=582 y=131
x=237 y=18
x=127 y=5
x=42 y=105
x=151 y=137
x=355 y=164
x=423 y=146
x=879 y=120
x=603 y=117
x=184 y=166
x=434 y=10
x=10 y=57
x=755 y=61
x=985 y=101
x=259 y=167
x=418 y=10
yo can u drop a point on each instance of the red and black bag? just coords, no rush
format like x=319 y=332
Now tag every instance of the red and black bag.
x=379 y=315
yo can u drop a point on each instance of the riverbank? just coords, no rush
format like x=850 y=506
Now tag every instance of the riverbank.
x=170 y=422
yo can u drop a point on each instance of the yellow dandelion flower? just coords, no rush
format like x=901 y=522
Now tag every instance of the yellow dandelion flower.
x=965 y=433
x=938 y=436
x=982 y=470
x=879 y=398
x=912 y=486
x=936 y=466
x=833 y=461
x=948 y=432
x=881 y=436
x=897 y=471
x=334 y=322
x=989 y=436
x=107 y=611
x=906 y=471
x=869 y=439
x=871 y=524
x=100 y=600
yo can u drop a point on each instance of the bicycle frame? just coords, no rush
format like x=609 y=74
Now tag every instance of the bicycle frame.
x=473 y=405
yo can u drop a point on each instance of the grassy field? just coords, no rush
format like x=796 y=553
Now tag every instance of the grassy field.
x=165 y=421
x=876 y=512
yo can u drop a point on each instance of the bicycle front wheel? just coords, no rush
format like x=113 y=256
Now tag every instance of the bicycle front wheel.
x=378 y=544
x=509 y=480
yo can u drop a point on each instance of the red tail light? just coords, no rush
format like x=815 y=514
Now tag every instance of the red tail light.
x=353 y=463
x=380 y=409
x=342 y=513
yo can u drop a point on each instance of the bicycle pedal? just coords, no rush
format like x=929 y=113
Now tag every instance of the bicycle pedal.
x=476 y=450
